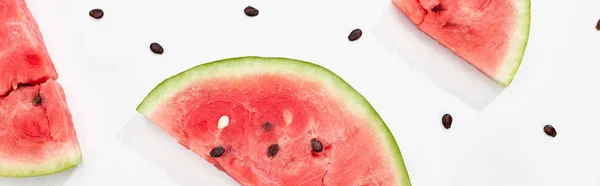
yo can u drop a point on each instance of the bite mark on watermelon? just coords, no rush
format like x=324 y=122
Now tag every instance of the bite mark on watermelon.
x=489 y=34
x=23 y=55
x=277 y=107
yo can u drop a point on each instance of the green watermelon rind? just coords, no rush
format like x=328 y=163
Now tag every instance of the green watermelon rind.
x=237 y=67
x=69 y=159
x=508 y=71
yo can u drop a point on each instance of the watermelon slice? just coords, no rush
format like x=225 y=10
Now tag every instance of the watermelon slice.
x=36 y=132
x=277 y=121
x=23 y=55
x=37 y=136
x=489 y=34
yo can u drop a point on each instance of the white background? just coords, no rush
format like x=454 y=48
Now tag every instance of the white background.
x=496 y=139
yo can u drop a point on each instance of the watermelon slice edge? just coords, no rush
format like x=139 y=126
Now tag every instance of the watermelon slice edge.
x=519 y=45
x=61 y=163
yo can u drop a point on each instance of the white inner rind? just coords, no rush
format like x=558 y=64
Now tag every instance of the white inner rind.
x=507 y=71
x=70 y=157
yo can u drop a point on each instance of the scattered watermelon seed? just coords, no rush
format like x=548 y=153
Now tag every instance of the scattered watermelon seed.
x=317 y=146
x=96 y=13
x=267 y=126
x=251 y=11
x=217 y=152
x=550 y=130
x=598 y=25
x=223 y=122
x=37 y=100
x=355 y=34
x=447 y=121
x=157 y=48
x=273 y=149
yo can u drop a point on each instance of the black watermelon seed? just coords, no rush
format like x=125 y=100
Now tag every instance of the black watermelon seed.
x=437 y=8
x=217 y=152
x=317 y=146
x=273 y=149
x=251 y=11
x=97 y=13
x=37 y=100
x=156 y=48
x=21 y=85
x=550 y=130
x=447 y=121
x=598 y=25
x=267 y=126
x=355 y=34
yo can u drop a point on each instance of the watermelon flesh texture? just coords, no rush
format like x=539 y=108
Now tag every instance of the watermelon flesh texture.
x=36 y=139
x=23 y=55
x=490 y=34
x=277 y=101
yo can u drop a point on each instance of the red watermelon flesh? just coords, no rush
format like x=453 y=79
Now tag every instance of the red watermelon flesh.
x=490 y=34
x=23 y=55
x=37 y=136
x=36 y=132
x=267 y=107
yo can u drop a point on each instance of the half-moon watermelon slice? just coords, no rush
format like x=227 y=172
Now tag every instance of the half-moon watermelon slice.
x=277 y=121
x=37 y=136
x=489 y=34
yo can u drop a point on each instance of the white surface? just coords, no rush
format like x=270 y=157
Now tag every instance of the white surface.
x=496 y=139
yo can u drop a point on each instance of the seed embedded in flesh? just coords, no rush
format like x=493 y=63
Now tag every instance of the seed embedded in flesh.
x=157 y=48
x=21 y=85
x=447 y=121
x=267 y=126
x=217 y=152
x=96 y=13
x=223 y=122
x=251 y=11
x=37 y=100
x=437 y=8
x=287 y=117
x=317 y=146
x=550 y=130
x=273 y=149
x=355 y=34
